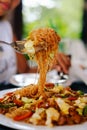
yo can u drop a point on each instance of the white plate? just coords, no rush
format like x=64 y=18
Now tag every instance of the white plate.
x=24 y=126
x=24 y=79
x=21 y=80
x=56 y=79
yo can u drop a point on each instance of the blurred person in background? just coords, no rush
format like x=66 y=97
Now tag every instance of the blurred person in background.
x=78 y=69
x=10 y=61
x=77 y=48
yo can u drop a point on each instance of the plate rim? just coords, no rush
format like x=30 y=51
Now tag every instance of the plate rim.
x=50 y=78
x=23 y=74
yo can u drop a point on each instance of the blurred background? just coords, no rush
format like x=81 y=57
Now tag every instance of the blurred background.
x=62 y=15
x=67 y=17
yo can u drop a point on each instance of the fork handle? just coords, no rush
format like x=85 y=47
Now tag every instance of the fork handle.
x=3 y=42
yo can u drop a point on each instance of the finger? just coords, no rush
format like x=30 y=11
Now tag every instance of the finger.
x=64 y=68
x=64 y=61
x=58 y=68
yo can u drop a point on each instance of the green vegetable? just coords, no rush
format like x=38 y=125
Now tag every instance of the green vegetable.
x=26 y=56
x=27 y=100
x=80 y=92
x=7 y=105
x=51 y=55
x=63 y=95
x=80 y=111
x=85 y=111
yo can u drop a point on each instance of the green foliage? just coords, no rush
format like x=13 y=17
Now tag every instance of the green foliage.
x=65 y=17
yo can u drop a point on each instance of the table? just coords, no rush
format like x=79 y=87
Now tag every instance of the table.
x=5 y=128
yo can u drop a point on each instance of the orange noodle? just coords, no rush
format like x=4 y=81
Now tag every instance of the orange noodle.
x=46 y=41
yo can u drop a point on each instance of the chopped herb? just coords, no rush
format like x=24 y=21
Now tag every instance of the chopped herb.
x=80 y=92
x=85 y=111
x=26 y=56
x=7 y=105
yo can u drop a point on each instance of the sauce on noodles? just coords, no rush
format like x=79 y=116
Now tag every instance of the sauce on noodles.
x=46 y=41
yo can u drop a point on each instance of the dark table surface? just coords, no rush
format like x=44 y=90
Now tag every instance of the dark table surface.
x=75 y=86
x=5 y=128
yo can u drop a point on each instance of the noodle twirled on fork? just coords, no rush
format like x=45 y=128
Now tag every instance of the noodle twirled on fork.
x=42 y=45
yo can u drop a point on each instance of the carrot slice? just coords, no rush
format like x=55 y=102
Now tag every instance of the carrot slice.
x=18 y=102
x=9 y=93
x=24 y=116
x=1 y=99
x=72 y=98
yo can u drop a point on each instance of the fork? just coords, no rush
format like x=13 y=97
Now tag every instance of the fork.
x=17 y=45
x=20 y=48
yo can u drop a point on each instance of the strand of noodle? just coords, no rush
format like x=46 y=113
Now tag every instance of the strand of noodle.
x=39 y=37
x=47 y=37
x=27 y=91
x=43 y=70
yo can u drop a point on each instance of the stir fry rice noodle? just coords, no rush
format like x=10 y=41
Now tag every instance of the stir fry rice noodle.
x=44 y=103
x=46 y=40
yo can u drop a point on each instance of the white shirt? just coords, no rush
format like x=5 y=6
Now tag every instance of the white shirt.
x=8 y=65
x=77 y=50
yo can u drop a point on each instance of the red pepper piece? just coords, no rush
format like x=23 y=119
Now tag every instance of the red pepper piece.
x=24 y=116
x=72 y=98
x=18 y=102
